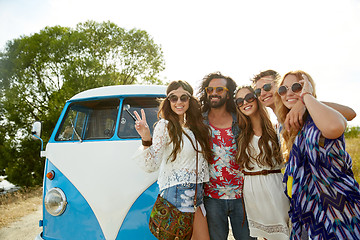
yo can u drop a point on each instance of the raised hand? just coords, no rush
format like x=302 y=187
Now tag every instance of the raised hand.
x=141 y=126
x=307 y=87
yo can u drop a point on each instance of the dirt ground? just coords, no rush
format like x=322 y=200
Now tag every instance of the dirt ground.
x=20 y=220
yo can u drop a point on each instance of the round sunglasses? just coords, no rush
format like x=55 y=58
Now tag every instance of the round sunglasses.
x=267 y=87
x=249 y=98
x=183 y=98
x=295 y=88
x=218 y=90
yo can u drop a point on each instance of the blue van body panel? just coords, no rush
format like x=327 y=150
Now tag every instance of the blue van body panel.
x=136 y=222
x=81 y=216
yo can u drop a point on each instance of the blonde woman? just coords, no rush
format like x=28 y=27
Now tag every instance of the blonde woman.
x=324 y=196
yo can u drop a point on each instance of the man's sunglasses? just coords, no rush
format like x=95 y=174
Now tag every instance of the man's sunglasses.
x=295 y=88
x=267 y=87
x=218 y=90
x=183 y=98
x=250 y=97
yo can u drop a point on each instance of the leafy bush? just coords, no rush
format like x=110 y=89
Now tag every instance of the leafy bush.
x=352 y=132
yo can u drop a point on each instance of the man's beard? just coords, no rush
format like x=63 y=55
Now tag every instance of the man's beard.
x=218 y=104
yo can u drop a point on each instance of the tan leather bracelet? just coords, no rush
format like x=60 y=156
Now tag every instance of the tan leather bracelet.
x=302 y=96
x=147 y=143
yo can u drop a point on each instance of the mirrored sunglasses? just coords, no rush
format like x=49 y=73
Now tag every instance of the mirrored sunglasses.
x=183 y=98
x=295 y=88
x=219 y=90
x=267 y=87
x=250 y=97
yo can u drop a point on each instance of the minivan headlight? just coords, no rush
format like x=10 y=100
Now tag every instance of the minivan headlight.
x=55 y=201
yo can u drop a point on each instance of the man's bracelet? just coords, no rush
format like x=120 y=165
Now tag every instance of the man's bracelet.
x=146 y=143
x=302 y=96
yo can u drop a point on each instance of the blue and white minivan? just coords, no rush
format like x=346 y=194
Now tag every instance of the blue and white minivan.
x=92 y=188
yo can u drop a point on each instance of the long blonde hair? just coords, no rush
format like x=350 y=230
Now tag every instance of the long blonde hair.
x=281 y=112
x=268 y=152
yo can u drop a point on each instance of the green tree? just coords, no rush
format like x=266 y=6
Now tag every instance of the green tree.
x=38 y=73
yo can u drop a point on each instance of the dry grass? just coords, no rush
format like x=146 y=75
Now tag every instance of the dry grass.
x=353 y=148
x=14 y=206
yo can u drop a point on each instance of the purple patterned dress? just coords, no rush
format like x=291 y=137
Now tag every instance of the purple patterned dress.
x=324 y=196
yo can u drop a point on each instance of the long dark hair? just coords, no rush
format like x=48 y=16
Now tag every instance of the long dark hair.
x=194 y=121
x=268 y=151
x=230 y=84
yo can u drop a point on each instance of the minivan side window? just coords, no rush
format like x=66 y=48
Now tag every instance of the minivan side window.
x=127 y=119
x=89 y=120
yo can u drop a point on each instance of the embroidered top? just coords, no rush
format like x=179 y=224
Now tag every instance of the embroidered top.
x=324 y=196
x=183 y=168
x=226 y=178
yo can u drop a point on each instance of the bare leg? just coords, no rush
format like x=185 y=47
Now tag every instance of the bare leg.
x=200 y=231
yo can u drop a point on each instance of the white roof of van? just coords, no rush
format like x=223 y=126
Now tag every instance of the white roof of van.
x=117 y=90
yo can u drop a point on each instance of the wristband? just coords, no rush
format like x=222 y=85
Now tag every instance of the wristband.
x=147 y=143
x=302 y=96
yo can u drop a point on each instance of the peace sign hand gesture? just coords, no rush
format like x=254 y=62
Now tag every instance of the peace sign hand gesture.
x=141 y=126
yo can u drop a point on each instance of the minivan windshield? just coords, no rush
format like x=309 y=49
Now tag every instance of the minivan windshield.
x=89 y=120
x=97 y=119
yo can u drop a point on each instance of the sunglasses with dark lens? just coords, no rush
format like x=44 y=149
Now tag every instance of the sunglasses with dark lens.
x=183 y=98
x=295 y=88
x=218 y=90
x=249 y=98
x=267 y=87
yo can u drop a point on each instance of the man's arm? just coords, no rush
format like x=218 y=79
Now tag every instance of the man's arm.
x=346 y=111
x=294 y=117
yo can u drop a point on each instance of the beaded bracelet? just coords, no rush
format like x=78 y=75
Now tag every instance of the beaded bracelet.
x=147 y=143
x=302 y=96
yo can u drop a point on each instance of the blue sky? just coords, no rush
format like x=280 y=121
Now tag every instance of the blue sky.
x=238 y=38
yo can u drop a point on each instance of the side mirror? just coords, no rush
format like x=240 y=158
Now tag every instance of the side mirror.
x=36 y=130
x=36 y=133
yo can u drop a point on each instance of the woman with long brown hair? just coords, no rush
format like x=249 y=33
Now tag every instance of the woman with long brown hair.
x=180 y=137
x=260 y=158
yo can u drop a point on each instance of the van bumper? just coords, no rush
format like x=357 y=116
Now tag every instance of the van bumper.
x=38 y=237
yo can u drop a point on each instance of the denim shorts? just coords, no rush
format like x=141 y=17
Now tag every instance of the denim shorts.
x=182 y=196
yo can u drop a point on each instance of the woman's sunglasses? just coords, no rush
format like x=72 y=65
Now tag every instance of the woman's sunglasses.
x=267 y=87
x=218 y=90
x=295 y=88
x=250 y=97
x=183 y=98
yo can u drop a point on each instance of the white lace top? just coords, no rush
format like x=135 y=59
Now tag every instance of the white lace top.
x=182 y=169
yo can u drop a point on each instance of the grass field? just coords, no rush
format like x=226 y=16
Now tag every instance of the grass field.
x=353 y=148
